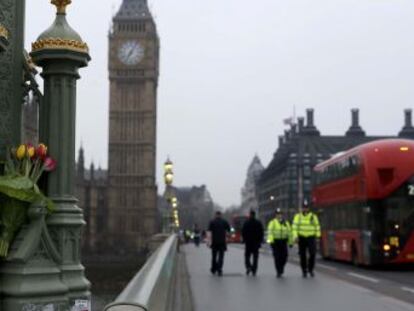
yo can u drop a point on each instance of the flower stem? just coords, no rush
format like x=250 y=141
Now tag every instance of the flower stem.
x=4 y=248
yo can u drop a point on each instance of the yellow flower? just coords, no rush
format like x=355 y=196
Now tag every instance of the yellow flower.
x=21 y=152
x=31 y=151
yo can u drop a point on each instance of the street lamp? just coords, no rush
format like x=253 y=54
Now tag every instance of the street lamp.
x=170 y=196
x=272 y=199
x=168 y=172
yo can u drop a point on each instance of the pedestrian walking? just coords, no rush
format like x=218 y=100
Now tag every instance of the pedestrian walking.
x=196 y=235
x=219 y=228
x=279 y=236
x=252 y=233
x=306 y=230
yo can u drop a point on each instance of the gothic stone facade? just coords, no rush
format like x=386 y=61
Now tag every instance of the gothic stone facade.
x=196 y=207
x=131 y=193
x=288 y=177
x=249 y=192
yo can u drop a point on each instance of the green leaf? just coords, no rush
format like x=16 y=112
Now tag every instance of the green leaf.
x=20 y=188
x=13 y=215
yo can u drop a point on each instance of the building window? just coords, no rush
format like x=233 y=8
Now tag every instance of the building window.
x=307 y=171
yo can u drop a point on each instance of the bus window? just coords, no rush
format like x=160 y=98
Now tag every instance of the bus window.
x=399 y=213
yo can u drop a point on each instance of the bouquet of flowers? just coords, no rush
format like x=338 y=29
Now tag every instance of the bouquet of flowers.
x=18 y=189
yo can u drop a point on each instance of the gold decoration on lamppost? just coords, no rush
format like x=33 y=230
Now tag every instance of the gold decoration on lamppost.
x=58 y=43
x=4 y=32
x=61 y=5
x=50 y=40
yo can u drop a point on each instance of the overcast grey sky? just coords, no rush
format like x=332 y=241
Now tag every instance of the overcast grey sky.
x=232 y=70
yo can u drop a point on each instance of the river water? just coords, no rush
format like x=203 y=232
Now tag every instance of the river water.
x=108 y=280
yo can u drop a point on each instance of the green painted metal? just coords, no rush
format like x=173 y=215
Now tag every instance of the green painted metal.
x=30 y=276
x=57 y=129
x=151 y=289
x=43 y=270
x=11 y=64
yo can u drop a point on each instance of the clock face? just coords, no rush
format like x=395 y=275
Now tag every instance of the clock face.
x=131 y=53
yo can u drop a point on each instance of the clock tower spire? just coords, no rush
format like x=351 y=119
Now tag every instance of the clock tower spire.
x=133 y=9
x=133 y=77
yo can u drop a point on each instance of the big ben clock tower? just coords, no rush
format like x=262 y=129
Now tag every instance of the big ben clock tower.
x=133 y=76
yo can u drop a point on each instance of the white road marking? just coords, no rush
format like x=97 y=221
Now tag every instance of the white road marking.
x=327 y=267
x=407 y=289
x=359 y=288
x=363 y=277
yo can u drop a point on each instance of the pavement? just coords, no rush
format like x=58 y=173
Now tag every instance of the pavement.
x=236 y=291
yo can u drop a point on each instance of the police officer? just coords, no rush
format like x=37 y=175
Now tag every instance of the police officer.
x=306 y=230
x=279 y=237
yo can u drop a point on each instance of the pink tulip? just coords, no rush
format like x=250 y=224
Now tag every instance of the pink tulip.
x=49 y=164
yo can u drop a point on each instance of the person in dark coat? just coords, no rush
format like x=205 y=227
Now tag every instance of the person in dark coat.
x=218 y=228
x=252 y=233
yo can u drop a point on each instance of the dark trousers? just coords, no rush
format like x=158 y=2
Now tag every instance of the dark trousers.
x=307 y=245
x=280 y=255
x=217 y=259
x=248 y=254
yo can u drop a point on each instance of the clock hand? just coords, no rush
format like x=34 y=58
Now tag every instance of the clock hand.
x=130 y=53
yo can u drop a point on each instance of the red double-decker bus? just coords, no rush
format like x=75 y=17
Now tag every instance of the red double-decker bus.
x=237 y=223
x=365 y=198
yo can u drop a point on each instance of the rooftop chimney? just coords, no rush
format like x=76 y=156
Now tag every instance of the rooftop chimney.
x=310 y=128
x=355 y=129
x=408 y=129
x=309 y=118
x=355 y=117
x=408 y=119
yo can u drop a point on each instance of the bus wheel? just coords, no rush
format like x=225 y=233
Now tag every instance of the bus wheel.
x=354 y=254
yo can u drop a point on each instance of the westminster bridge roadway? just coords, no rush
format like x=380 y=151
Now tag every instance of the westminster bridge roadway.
x=179 y=279
x=336 y=286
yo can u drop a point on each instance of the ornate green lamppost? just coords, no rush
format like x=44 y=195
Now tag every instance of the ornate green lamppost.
x=60 y=51
x=43 y=269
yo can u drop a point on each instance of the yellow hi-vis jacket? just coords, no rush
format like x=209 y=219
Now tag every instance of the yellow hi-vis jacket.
x=306 y=226
x=277 y=230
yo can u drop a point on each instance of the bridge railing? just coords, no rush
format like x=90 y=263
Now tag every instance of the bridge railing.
x=151 y=289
